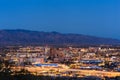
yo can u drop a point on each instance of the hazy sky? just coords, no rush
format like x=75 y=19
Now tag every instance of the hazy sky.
x=91 y=17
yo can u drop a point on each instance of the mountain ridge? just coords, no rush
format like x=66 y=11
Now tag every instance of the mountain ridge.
x=28 y=37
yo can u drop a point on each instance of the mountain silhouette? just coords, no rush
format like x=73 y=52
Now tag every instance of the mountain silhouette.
x=27 y=37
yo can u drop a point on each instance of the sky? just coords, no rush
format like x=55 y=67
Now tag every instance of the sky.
x=90 y=17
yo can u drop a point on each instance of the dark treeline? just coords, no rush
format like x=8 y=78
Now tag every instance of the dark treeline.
x=7 y=76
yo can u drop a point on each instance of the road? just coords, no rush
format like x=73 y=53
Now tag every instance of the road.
x=77 y=71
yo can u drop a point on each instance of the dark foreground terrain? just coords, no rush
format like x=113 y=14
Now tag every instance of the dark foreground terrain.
x=20 y=76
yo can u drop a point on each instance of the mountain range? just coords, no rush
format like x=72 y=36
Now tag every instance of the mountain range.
x=27 y=37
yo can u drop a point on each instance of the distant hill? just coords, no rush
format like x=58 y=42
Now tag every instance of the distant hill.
x=26 y=37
